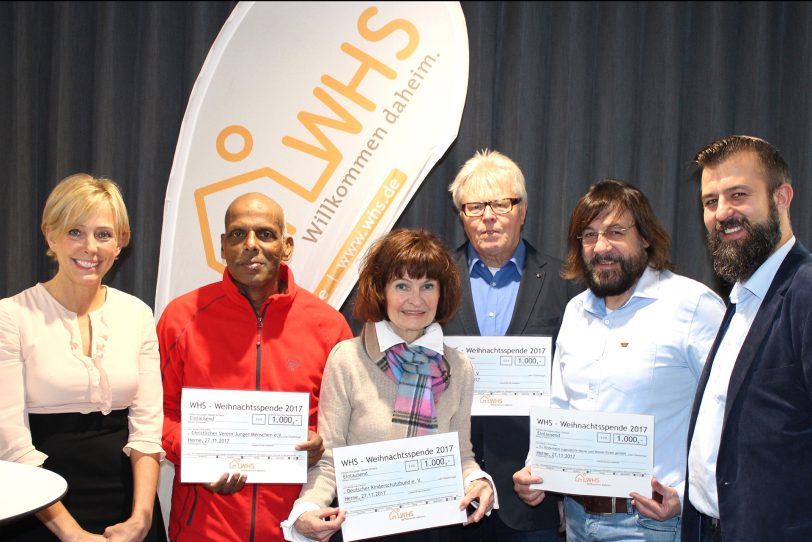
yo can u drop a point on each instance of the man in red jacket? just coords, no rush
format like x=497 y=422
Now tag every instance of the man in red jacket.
x=254 y=330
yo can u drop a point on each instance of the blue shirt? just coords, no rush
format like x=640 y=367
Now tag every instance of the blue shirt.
x=645 y=357
x=495 y=295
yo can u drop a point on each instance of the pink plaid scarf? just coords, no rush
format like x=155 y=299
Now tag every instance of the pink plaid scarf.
x=422 y=376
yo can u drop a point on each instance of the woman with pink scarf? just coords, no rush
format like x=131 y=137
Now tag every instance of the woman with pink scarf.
x=396 y=380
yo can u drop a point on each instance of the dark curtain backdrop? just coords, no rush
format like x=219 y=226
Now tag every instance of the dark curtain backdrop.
x=572 y=91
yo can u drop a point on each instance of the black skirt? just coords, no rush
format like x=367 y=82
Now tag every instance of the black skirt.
x=86 y=450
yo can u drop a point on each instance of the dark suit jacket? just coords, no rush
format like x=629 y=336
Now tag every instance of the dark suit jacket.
x=501 y=442
x=764 y=468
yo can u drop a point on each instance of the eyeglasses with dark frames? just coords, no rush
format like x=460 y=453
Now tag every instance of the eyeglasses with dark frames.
x=499 y=206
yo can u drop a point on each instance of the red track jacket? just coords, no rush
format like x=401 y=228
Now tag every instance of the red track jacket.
x=212 y=338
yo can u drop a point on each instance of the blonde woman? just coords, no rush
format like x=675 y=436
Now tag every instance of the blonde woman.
x=80 y=387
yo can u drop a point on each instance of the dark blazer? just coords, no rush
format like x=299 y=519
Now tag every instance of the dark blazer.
x=764 y=468
x=501 y=442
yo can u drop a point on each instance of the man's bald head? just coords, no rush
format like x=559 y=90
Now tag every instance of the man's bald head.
x=254 y=199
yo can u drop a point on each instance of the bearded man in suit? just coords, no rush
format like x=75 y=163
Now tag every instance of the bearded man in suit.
x=750 y=436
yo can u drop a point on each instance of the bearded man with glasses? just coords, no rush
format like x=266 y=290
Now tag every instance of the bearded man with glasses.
x=508 y=288
x=635 y=342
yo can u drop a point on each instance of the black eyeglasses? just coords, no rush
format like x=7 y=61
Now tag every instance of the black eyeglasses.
x=613 y=235
x=498 y=206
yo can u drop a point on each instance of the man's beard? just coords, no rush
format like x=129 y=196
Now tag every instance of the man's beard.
x=738 y=259
x=609 y=283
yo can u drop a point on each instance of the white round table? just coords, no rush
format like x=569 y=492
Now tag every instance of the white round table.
x=25 y=489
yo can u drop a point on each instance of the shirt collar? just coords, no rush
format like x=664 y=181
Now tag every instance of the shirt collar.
x=432 y=337
x=759 y=283
x=518 y=258
x=648 y=286
x=279 y=300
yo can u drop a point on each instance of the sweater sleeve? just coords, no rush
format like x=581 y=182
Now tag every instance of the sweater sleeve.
x=461 y=421
x=334 y=421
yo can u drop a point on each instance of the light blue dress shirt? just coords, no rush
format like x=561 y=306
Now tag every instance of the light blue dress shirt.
x=642 y=358
x=704 y=446
x=495 y=295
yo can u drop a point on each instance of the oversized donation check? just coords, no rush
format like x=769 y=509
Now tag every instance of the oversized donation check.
x=591 y=453
x=510 y=373
x=253 y=432
x=399 y=485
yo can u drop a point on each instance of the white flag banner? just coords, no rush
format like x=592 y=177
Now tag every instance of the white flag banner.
x=336 y=110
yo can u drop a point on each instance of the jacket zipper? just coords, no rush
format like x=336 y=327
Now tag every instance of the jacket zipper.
x=260 y=317
x=259 y=349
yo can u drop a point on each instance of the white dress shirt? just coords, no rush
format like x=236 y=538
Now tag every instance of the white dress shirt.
x=704 y=448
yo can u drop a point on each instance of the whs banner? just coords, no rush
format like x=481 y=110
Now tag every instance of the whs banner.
x=336 y=110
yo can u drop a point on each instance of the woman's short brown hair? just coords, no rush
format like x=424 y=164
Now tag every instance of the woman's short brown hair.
x=403 y=253
x=78 y=197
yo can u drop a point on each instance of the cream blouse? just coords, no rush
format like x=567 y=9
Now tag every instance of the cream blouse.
x=43 y=369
